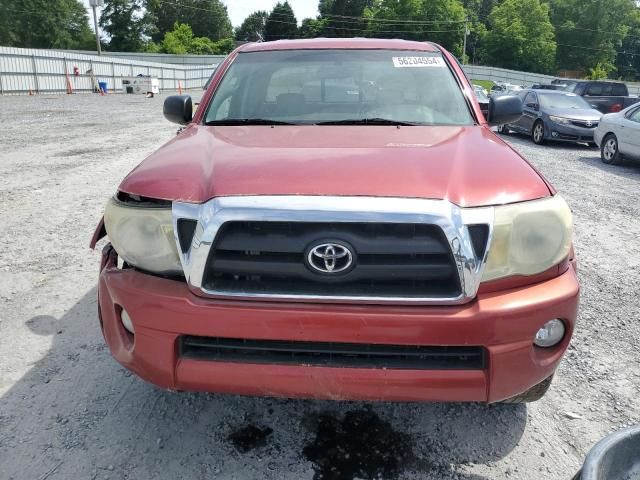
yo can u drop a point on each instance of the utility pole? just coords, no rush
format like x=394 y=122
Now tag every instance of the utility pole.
x=94 y=4
x=464 y=46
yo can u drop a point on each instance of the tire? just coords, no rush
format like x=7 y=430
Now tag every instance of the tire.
x=609 y=152
x=503 y=130
x=537 y=132
x=533 y=394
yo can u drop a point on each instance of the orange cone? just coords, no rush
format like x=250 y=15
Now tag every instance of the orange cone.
x=179 y=87
x=30 y=92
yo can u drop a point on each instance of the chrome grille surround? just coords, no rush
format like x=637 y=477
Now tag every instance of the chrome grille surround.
x=452 y=219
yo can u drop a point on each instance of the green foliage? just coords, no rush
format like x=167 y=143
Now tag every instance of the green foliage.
x=125 y=23
x=207 y=18
x=181 y=41
x=521 y=36
x=312 y=27
x=45 y=24
x=444 y=21
x=593 y=29
x=281 y=23
x=340 y=17
x=252 y=28
x=486 y=84
x=598 y=72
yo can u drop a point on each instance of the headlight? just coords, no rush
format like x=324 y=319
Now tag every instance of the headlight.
x=143 y=237
x=562 y=120
x=528 y=238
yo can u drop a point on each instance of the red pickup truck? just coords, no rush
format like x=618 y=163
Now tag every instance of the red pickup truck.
x=337 y=220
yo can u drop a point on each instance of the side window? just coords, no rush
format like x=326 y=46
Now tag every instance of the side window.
x=529 y=99
x=635 y=115
x=594 y=90
x=607 y=89
x=618 y=90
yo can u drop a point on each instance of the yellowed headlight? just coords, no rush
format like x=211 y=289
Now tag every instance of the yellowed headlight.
x=529 y=238
x=143 y=237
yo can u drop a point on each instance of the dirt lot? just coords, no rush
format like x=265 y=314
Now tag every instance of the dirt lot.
x=67 y=410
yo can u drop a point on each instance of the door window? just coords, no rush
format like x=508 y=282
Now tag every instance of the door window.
x=530 y=100
x=635 y=116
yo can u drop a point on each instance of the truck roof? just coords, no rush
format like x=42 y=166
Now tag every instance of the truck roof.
x=341 y=43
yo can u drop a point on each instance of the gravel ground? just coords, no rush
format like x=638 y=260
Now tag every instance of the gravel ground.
x=67 y=410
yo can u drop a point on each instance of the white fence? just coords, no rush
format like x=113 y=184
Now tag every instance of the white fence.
x=477 y=72
x=46 y=71
x=157 y=57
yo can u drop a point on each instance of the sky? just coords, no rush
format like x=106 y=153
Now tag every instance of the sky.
x=240 y=9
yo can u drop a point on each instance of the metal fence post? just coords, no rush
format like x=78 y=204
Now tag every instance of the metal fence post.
x=113 y=76
x=35 y=73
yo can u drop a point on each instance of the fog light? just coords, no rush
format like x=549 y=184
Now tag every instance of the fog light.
x=126 y=322
x=554 y=134
x=550 y=334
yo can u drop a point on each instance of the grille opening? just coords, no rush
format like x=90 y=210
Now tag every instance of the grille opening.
x=392 y=260
x=333 y=354
x=186 y=230
x=479 y=238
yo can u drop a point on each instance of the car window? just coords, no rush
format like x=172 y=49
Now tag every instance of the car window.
x=635 y=116
x=311 y=86
x=530 y=98
x=618 y=90
x=563 y=100
x=594 y=90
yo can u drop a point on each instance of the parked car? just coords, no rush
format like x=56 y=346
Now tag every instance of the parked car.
x=618 y=135
x=555 y=115
x=480 y=88
x=541 y=86
x=606 y=96
x=615 y=457
x=483 y=100
x=500 y=88
x=388 y=246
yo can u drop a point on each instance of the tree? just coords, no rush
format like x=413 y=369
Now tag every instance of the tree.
x=521 y=36
x=125 y=23
x=600 y=25
x=181 y=41
x=207 y=18
x=341 y=17
x=45 y=24
x=281 y=23
x=252 y=28
x=312 y=27
x=440 y=21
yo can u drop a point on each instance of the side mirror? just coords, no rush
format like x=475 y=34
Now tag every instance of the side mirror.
x=533 y=106
x=178 y=109
x=504 y=109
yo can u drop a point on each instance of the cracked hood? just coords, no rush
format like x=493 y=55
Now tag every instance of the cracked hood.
x=468 y=166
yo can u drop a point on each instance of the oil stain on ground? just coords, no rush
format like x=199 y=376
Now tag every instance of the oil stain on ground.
x=250 y=437
x=361 y=445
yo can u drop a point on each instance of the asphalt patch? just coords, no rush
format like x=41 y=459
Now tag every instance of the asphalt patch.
x=361 y=445
x=250 y=437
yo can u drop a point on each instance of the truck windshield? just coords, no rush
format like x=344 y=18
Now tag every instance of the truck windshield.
x=339 y=86
x=566 y=100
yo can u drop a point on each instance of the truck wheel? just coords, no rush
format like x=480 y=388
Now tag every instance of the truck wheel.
x=533 y=394
x=537 y=134
x=609 y=150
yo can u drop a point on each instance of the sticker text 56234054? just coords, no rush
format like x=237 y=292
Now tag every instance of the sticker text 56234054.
x=400 y=62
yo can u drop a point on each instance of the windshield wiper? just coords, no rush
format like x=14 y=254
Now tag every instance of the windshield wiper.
x=366 y=121
x=247 y=121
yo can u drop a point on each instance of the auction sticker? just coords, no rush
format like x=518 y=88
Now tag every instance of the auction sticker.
x=400 y=62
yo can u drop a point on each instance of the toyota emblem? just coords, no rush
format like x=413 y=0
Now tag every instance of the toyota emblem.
x=330 y=257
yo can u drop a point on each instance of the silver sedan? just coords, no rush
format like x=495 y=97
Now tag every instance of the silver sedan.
x=618 y=135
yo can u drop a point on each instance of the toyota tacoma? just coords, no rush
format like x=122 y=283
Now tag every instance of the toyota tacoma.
x=337 y=220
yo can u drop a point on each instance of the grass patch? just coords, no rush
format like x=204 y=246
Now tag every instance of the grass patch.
x=484 y=83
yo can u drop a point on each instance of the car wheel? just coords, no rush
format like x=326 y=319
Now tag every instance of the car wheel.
x=533 y=394
x=503 y=129
x=537 y=134
x=609 y=150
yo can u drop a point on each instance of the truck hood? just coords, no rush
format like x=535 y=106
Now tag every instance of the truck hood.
x=469 y=166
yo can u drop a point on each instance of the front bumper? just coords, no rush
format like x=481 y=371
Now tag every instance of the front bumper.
x=505 y=322
x=569 y=133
